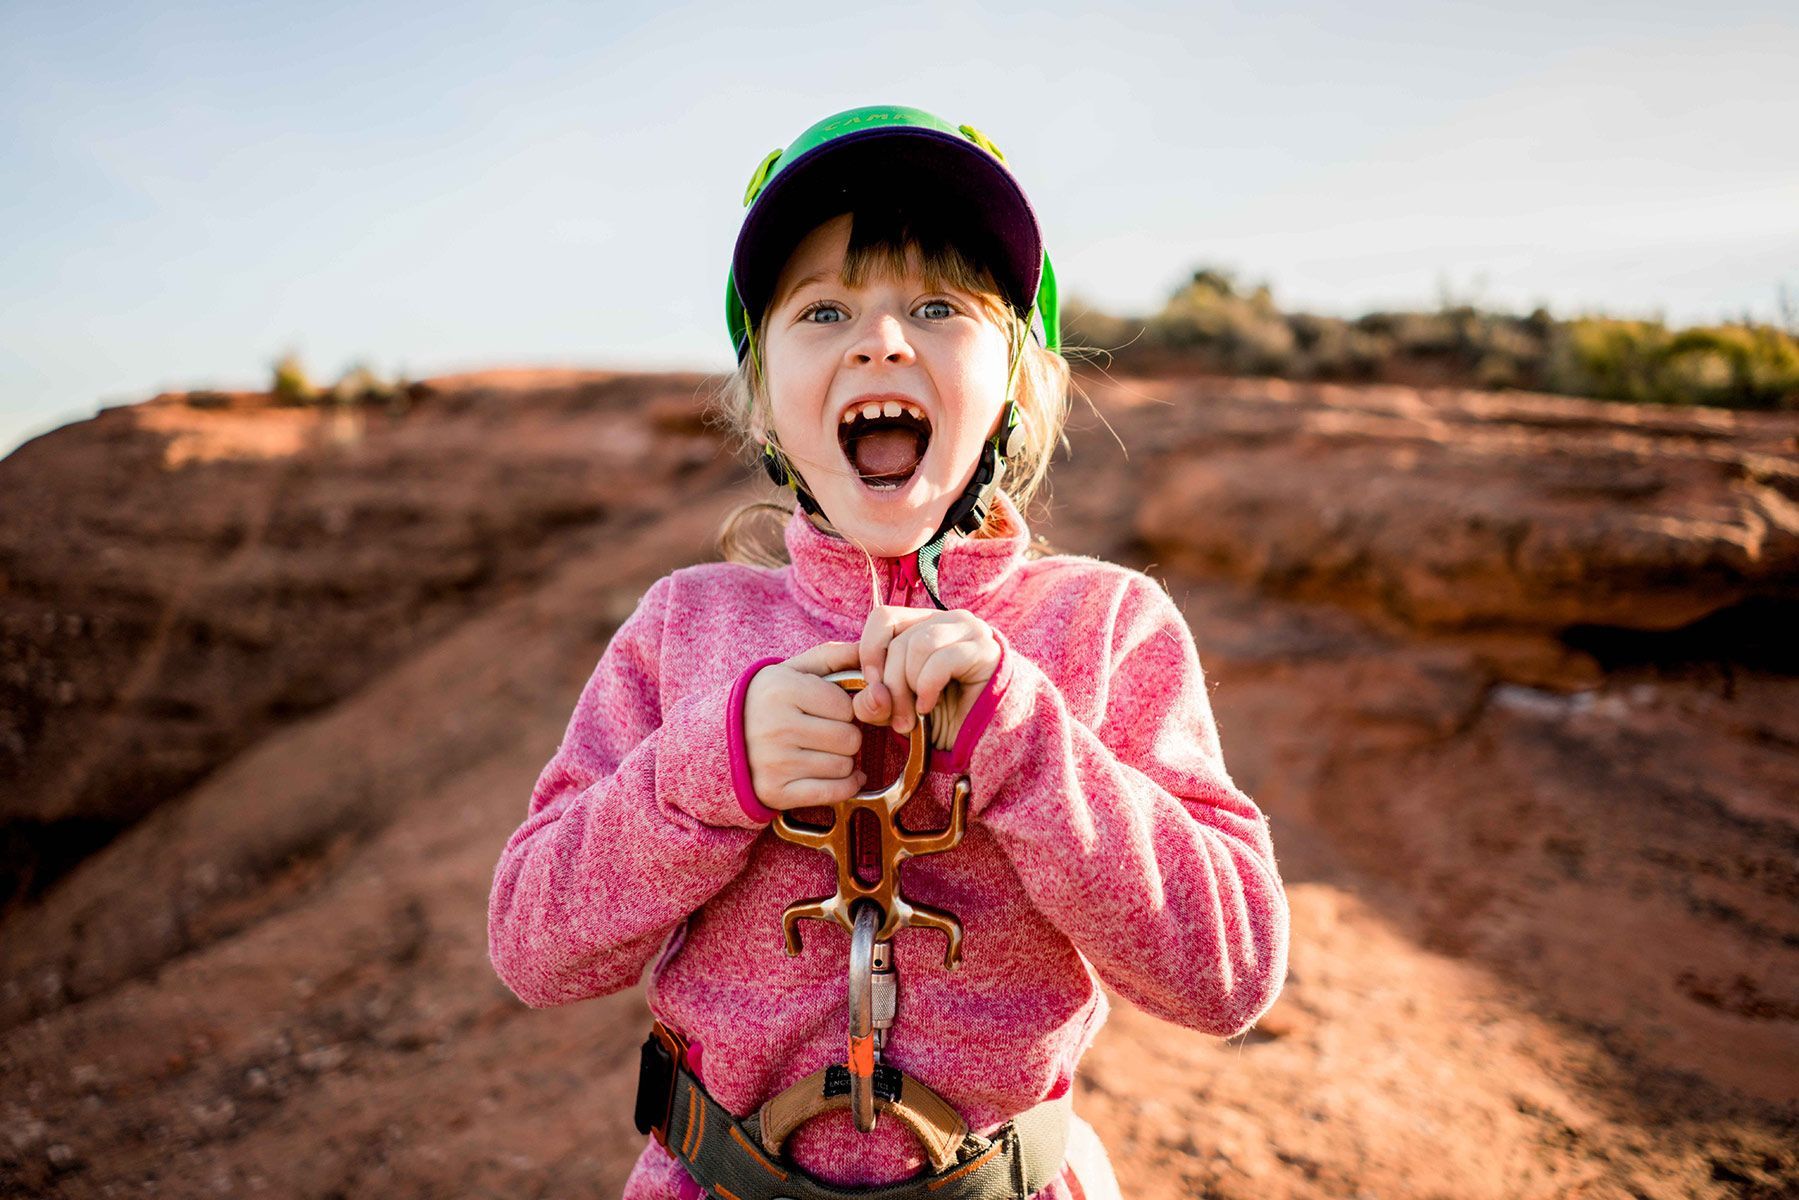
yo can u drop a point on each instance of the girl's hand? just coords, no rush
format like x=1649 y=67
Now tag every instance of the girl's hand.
x=799 y=732
x=915 y=657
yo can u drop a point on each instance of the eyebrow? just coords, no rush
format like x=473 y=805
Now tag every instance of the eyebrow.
x=815 y=277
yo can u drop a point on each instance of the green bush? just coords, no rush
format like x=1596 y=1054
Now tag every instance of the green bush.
x=1735 y=366
x=1747 y=366
x=1330 y=348
x=291 y=385
x=1219 y=324
x=360 y=385
x=1245 y=333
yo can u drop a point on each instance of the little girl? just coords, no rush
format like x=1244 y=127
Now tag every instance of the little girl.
x=896 y=328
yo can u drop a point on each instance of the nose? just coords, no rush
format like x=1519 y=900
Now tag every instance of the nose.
x=883 y=340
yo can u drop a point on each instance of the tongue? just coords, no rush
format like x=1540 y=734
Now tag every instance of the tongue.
x=886 y=453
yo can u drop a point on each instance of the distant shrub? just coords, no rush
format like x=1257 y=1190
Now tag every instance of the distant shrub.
x=360 y=385
x=1736 y=366
x=1751 y=366
x=1217 y=323
x=1421 y=334
x=1605 y=358
x=291 y=385
x=1246 y=332
x=1330 y=348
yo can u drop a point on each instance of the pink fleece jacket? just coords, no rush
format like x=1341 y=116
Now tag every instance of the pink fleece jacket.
x=1106 y=844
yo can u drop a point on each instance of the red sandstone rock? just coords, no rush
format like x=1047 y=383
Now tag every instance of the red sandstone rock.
x=1543 y=881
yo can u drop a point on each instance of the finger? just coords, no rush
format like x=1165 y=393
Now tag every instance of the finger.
x=805 y=793
x=823 y=734
x=894 y=676
x=815 y=764
x=877 y=633
x=885 y=622
x=820 y=699
x=869 y=704
x=921 y=644
x=961 y=661
x=824 y=658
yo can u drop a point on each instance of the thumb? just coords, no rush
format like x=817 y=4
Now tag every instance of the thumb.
x=867 y=706
x=826 y=657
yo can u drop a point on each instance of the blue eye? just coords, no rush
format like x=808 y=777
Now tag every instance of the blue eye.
x=936 y=310
x=824 y=313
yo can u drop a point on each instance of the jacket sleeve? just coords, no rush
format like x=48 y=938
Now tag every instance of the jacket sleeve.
x=632 y=825
x=1130 y=836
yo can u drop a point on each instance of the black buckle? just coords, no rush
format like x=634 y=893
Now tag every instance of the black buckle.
x=662 y=1053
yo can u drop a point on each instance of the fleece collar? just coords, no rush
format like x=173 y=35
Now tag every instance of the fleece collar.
x=832 y=574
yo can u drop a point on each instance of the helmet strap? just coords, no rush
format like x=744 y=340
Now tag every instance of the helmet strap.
x=969 y=512
x=780 y=470
x=749 y=341
x=775 y=462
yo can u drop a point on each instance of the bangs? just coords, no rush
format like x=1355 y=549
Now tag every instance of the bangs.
x=887 y=244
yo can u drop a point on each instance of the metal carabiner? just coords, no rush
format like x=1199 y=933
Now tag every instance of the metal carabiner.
x=868 y=847
x=864 y=1054
x=871 y=813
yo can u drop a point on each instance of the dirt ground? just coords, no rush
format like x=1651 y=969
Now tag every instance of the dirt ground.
x=1511 y=675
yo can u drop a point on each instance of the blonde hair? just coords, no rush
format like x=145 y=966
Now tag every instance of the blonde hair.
x=884 y=245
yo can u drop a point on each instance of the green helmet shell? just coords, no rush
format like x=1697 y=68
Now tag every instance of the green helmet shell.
x=861 y=152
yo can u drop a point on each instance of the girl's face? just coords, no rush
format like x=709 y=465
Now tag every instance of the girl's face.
x=881 y=394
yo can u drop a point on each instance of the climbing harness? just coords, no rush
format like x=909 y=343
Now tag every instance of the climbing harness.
x=731 y=1158
x=740 y=1159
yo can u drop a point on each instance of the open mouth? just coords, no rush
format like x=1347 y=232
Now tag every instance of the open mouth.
x=884 y=440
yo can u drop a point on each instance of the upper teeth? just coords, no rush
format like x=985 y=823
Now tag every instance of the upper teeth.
x=883 y=408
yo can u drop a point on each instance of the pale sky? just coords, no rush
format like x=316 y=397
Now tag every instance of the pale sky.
x=189 y=190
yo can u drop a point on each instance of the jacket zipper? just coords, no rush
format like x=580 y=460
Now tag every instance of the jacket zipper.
x=902 y=571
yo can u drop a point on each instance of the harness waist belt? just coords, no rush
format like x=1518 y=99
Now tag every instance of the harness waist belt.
x=727 y=1156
